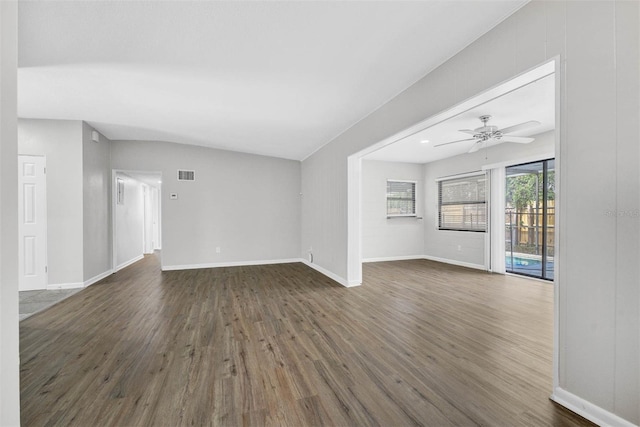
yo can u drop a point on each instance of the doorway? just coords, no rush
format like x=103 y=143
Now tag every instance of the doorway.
x=530 y=219
x=136 y=216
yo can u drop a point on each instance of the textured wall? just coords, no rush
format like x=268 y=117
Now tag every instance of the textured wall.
x=597 y=43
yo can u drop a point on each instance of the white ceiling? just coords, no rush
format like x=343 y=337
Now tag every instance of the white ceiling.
x=274 y=78
x=534 y=101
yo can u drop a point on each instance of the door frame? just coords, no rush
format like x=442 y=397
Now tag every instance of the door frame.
x=500 y=220
x=114 y=202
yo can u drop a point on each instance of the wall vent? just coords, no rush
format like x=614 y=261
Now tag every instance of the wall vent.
x=184 y=175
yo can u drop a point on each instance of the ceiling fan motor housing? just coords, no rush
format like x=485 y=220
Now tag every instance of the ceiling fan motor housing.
x=486 y=132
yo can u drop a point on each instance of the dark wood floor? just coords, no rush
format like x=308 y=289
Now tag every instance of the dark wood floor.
x=420 y=343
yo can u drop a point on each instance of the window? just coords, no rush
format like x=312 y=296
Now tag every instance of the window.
x=462 y=203
x=401 y=198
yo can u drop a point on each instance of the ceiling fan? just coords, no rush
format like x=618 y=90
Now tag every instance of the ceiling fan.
x=487 y=133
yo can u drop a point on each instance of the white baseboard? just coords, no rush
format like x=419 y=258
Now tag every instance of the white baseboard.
x=454 y=262
x=128 y=263
x=393 y=258
x=588 y=410
x=228 y=264
x=97 y=278
x=316 y=267
x=55 y=286
x=344 y=282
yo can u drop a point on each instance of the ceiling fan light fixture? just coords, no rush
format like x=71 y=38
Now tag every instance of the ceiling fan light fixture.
x=487 y=133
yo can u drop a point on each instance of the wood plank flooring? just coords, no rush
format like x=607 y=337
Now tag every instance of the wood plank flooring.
x=420 y=343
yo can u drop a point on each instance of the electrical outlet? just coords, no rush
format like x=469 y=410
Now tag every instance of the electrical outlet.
x=459 y=248
x=217 y=249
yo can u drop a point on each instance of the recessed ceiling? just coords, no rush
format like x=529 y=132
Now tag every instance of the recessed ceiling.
x=273 y=78
x=533 y=101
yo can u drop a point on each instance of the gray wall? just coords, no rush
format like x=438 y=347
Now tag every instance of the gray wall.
x=383 y=237
x=444 y=244
x=129 y=222
x=96 y=171
x=9 y=347
x=60 y=141
x=598 y=269
x=247 y=205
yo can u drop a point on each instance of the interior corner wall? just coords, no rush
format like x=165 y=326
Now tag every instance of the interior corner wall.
x=60 y=141
x=9 y=336
x=597 y=46
x=462 y=246
x=246 y=205
x=96 y=193
x=390 y=238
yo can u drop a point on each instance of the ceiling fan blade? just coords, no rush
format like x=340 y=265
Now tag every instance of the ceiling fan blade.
x=453 y=142
x=518 y=139
x=476 y=147
x=521 y=126
x=469 y=131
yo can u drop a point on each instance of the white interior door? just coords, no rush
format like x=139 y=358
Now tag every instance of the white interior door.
x=32 y=213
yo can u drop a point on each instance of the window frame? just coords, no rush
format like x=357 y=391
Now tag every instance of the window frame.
x=462 y=203
x=414 y=199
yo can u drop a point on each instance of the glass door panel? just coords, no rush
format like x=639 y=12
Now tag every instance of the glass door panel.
x=529 y=219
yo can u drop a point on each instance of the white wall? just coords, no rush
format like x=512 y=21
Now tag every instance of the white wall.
x=61 y=142
x=129 y=222
x=443 y=244
x=598 y=273
x=9 y=344
x=247 y=205
x=96 y=193
x=388 y=238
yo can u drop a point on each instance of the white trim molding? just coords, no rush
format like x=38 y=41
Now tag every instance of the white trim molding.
x=454 y=262
x=128 y=263
x=316 y=267
x=97 y=278
x=393 y=258
x=228 y=264
x=344 y=282
x=57 y=286
x=588 y=410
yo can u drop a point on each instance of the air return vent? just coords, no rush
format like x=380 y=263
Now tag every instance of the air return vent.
x=184 y=175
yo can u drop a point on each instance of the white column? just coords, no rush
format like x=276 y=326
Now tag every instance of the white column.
x=9 y=337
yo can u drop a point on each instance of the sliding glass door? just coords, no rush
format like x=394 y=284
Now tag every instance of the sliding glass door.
x=530 y=219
